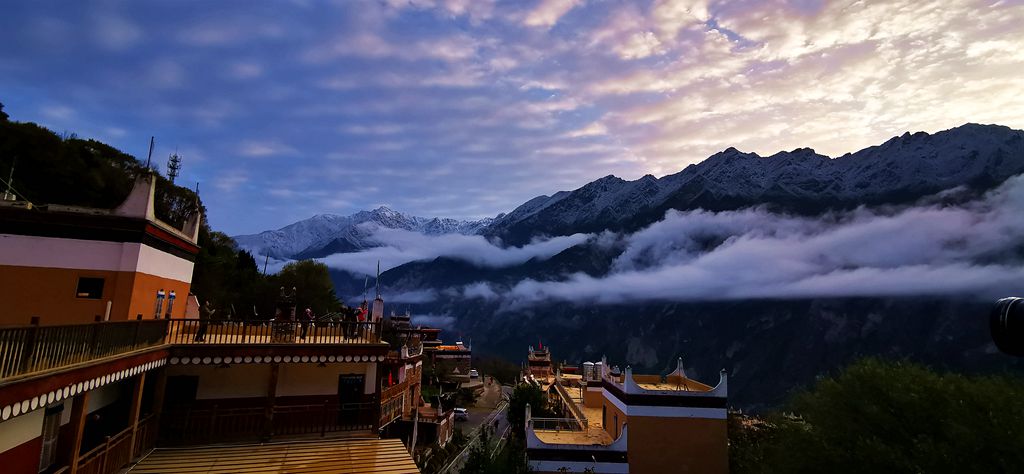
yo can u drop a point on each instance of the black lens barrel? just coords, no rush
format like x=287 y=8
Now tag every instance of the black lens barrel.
x=1007 y=325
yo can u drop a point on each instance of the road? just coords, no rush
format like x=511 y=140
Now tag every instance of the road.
x=489 y=408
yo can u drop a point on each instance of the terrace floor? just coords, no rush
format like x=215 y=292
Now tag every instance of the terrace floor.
x=594 y=434
x=387 y=456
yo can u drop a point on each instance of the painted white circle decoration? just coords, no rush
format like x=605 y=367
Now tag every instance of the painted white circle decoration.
x=16 y=410
x=238 y=360
x=217 y=360
x=287 y=358
x=206 y=360
x=34 y=403
x=6 y=412
x=174 y=360
x=277 y=358
x=24 y=406
x=65 y=392
x=247 y=359
x=332 y=359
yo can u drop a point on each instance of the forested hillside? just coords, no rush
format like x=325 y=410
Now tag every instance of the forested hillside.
x=65 y=169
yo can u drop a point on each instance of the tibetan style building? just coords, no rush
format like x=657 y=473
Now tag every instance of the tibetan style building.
x=102 y=370
x=616 y=421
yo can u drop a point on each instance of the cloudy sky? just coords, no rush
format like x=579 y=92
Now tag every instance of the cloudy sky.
x=467 y=108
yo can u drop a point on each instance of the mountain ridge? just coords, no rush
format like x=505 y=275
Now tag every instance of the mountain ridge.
x=900 y=170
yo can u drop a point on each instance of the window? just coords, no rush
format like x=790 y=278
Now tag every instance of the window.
x=616 y=426
x=91 y=288
x=51 y=428
x=604 y=415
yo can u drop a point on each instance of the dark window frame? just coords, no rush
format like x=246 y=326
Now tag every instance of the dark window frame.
x=90 y=292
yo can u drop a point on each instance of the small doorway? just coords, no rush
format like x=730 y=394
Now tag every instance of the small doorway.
x=350 y=392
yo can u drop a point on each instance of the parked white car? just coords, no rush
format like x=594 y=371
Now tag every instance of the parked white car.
x=473 y=374
x=461 y=414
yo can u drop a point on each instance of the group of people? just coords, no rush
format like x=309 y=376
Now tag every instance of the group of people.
x=285 y=311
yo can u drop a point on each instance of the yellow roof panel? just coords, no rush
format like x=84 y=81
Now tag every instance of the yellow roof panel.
x=322 y=456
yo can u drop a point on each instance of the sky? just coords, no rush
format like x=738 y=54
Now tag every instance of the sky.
x=468 y=108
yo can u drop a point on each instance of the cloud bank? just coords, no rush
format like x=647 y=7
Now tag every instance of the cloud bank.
x=971 y=250
x=399 y=246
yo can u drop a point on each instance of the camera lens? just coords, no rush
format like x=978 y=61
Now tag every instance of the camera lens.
x=1007 y=325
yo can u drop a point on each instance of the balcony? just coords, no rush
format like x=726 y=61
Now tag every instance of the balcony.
x=248 y=332
x=32 y=350
x=27 y=350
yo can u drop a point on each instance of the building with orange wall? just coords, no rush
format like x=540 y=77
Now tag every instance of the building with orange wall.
x=67 y=265
x=624 y=422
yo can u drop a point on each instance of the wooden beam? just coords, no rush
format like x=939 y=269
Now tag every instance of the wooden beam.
x=138 y=383
x=268 y=428
x=159 y=387
x=79 y=413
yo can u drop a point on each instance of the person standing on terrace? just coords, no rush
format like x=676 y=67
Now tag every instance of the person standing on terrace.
x=205 y=314
x=305 y=320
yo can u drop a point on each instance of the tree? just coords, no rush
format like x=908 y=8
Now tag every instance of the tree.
x=522 y=395
x=3 y=115
x=479 y=459
x=313 y=284
x=880 y=416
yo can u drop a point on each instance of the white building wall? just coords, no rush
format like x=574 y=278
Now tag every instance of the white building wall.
x=311 y=379
x=21 y=429
x=236 y=381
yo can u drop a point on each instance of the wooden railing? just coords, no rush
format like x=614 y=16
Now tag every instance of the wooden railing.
x=217 y=424
x=25 y=350
x=146 y=435
x=109 y=457
x=194 y=331
x=28 y=349
x=395 y=390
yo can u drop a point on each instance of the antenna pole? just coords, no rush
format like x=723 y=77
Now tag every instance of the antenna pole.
x=265 y=262
x=378 y=279
x=9 y=194
x=173 y=166
x=149 y=159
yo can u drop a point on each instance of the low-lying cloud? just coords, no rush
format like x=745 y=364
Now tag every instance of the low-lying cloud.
x=973 y=250
x=399 y=246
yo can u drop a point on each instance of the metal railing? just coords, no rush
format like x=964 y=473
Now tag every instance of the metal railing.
x=28 y=349
x=558 y=424
x=567 y=400
x=197 y=331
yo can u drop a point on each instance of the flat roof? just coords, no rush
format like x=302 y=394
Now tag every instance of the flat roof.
x=593 y=435
x=686 y=385
x=321 y=456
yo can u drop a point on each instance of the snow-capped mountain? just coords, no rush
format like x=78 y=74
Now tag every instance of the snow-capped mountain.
x=901 y=170
x=325 y=234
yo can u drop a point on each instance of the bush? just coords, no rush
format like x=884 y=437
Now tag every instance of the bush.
x=880 y=416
